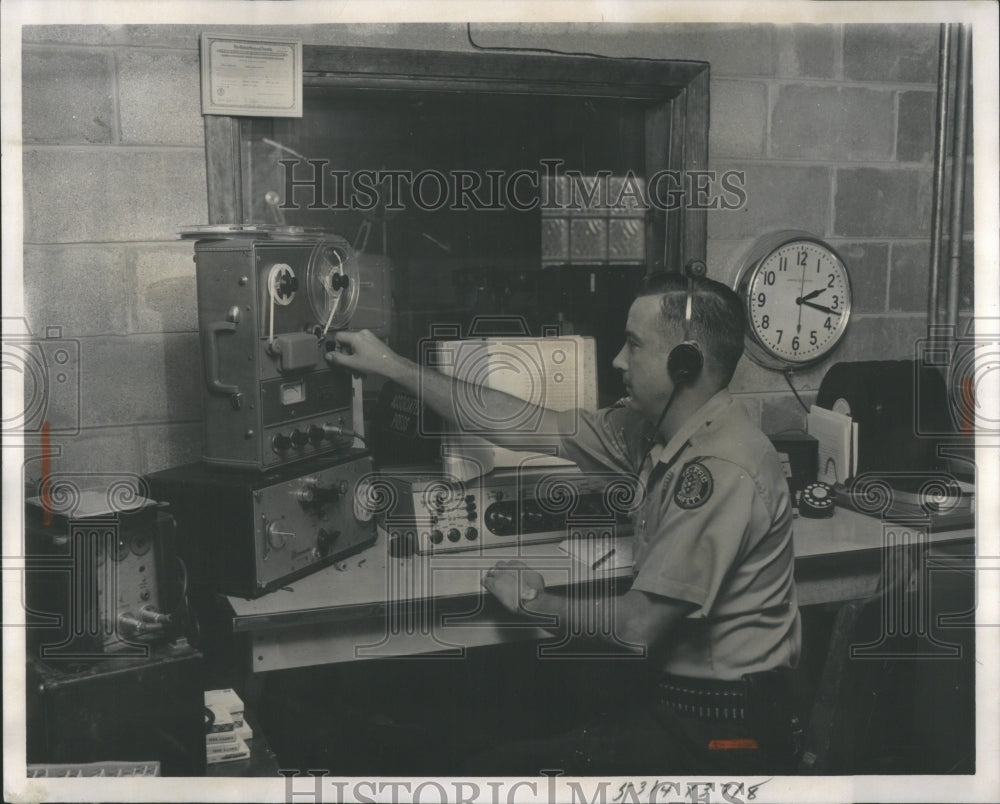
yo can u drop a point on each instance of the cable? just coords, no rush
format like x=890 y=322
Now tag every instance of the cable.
x=502 y=49
x=787 y=374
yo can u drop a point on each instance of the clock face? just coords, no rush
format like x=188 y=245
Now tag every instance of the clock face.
x=798 y=301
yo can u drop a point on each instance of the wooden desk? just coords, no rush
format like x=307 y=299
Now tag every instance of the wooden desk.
x=376 y=606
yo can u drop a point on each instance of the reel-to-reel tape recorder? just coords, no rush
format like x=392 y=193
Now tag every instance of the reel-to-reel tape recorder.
x=283 y=429
x=268 y=301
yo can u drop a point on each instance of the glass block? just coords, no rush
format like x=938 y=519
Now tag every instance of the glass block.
x=588 y=241
x=587 y=195
x=626 y=240
x=555 y=238
x=555 y=196
x=626 y=195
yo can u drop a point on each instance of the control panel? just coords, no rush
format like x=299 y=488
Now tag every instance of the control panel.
x=529 y=505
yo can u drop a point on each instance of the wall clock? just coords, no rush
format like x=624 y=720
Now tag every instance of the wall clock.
x=796 y=292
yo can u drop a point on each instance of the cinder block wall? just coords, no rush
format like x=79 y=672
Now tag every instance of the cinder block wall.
x=832 y=124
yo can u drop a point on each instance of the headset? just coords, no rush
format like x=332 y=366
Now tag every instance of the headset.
x=685 y=361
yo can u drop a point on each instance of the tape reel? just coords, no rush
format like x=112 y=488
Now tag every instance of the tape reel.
x=333 y=283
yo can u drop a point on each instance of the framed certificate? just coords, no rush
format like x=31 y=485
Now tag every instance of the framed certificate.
x=244 y=76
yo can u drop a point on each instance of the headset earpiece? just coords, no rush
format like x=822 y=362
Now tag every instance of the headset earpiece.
x=685 y=361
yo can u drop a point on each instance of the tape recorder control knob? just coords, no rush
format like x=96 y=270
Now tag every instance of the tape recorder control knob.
x=454 y=535
x=300 y=438
x=316 y=434
x=325 y=540
x=437 y=536
x=281 y=442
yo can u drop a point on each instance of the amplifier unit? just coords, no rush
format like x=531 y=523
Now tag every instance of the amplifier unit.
x=102 y=575
x=247 y=533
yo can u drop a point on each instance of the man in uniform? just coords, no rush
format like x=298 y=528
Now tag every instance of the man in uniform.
x=712 y=602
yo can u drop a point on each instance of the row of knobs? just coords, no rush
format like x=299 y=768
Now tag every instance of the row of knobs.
x=454 y=535
x=300 y=438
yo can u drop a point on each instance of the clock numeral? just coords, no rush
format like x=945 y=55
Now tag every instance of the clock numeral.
x=819 y=263
x=832 y=278
x=783 y=264
x=813 y=340
x=803 y=256
x=780 y=333
x=765 y=322
x=795 y=343
x=769 y=277
x=761 y=299
x=827 y=324
x=835 y=302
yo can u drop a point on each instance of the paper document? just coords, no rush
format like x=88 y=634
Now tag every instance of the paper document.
x=601 y=553
x=834 y=433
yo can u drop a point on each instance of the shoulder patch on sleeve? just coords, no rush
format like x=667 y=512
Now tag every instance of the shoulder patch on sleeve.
x=694 y=486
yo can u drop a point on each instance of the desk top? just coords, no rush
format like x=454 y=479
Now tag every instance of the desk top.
x=360 y=586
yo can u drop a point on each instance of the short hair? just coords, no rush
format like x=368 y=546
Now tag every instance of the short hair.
x=717 y=317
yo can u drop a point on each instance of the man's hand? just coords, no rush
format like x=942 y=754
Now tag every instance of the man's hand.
x=512 y=582
x=364 y=353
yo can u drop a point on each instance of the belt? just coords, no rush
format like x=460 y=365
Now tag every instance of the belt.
x=703 y=698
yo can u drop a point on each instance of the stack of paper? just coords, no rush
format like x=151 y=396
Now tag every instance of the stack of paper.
x=837 y=435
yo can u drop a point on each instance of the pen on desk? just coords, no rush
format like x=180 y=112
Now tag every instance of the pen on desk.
x=602 y=559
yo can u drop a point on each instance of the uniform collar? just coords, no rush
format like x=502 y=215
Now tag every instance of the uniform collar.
x=665 y=453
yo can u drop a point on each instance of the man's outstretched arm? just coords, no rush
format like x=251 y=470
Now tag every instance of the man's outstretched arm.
x=364 y=353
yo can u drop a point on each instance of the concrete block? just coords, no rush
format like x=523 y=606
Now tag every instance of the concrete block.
x=836 y=123
x=908 y=290
x=67 y=96
x=872 y=202
x=915 y=129
x=882 y=337
x=74 y=34
x=87 y=458
x=164 y=446
x=752 y=378
x=739 y=121
x=112 y=194
x=159 y=98
x=868 y=266
x=891 y=53
x=778 y=197
x=165 y=297
x=79 y=288
x=782 y=412
x=140 y=379
x=724 y=258
x=808 y=51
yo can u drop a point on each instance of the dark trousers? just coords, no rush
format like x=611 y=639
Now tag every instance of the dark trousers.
x=642 y=740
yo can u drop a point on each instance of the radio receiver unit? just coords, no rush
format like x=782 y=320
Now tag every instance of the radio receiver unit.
x=247 y=534
x=269 y=301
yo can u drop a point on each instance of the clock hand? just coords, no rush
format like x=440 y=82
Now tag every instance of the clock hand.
x=809 y=296
x=820 y=307
x=802 y=284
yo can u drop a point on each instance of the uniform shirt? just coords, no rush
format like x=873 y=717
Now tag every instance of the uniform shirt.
x=714 y=530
